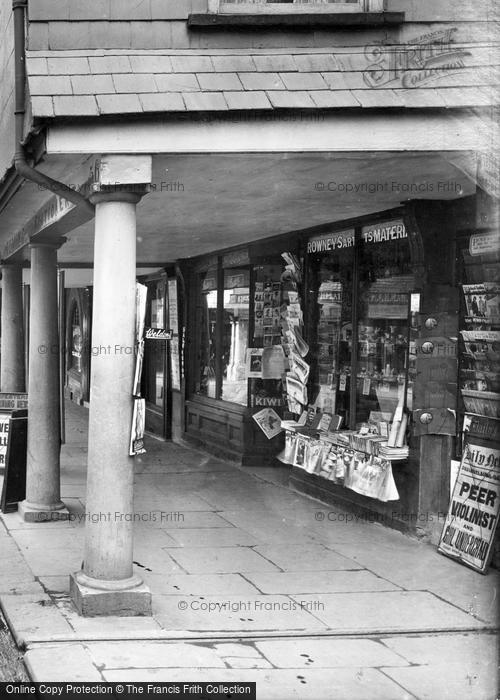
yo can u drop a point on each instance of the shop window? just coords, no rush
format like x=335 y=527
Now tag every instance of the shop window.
x=155 y=352
x=360 y=283
x=235 y=335
x=331 y=278
x=385 y=283
x=76 y=340
x=222 y=328
x=206 y=325
x=293 y=6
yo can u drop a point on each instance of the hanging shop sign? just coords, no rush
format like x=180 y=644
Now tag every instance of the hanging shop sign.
x=236 y=258
x=13 y=402
x=469 y=531
x=484 y=243
x=329 y=242
x=158 y=334
x=13 y=440
x=388 y=231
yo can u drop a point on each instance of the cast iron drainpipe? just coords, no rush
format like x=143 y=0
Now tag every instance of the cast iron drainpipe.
x=20 y=162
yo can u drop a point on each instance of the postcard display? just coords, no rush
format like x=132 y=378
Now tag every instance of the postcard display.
x=469 y=531
x=278 y=346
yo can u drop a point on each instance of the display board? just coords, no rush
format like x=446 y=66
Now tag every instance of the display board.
x=469 y=531
x=13 y=442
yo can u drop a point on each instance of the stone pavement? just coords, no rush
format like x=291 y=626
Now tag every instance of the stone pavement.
x=251 y=581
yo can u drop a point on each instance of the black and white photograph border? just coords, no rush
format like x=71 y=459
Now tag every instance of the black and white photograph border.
x=162 y=165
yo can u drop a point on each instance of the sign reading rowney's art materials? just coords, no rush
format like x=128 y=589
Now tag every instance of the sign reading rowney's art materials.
x=383 y=232
x=328 y=242
x=469 y=531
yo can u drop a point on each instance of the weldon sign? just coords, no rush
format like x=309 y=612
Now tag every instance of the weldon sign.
x=469 y=531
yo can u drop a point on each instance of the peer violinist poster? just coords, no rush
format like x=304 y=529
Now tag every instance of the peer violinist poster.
x=469 y=531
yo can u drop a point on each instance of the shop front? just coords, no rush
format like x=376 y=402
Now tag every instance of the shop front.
x=309 y=349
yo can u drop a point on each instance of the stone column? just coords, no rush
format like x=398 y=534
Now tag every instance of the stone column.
x=43 y=500
x=107 y=585
x=12 y=378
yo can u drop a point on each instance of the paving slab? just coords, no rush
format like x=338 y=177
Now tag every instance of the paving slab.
x=387 y=611
x=198 y=584
x=463 y=680
x=190 y=519
x=329 y=653
x=447 y=648
x=59 y=664
x=232 y=649
x=221 y=560
x=239 y=662
x=109 y=655
x=220 y=537
x=33 y=616
x=233 y=613
x=277 y=684
x=319 y=582
x=306 y=558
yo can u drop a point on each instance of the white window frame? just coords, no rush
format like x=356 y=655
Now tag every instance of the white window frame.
x=295 y=7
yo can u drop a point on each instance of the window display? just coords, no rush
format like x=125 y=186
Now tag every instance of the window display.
x=155 y=351
x=359 y=289
x=331 y=263
x=480 y=328
x=206 y=328
x=235 y=335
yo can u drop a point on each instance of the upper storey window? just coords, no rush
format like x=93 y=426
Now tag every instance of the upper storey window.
x=294 y=6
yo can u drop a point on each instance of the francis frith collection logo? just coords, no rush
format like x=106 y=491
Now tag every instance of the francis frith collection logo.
x=414 y=64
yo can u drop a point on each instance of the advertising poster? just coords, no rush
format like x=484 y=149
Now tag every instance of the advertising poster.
x=469 y=530
x=4 y=438
x=269 y=422
x=137 y=431
x=175 y=363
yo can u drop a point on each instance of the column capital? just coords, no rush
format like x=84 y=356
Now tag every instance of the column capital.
x=131 y=194
x=54 y=243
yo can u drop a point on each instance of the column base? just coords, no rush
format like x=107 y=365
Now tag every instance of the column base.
x=133 y=601
x=36 y=513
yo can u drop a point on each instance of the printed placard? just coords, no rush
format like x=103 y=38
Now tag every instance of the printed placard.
x=137 y=430
x=269 y=422
x=4 y=437
x=470 y=525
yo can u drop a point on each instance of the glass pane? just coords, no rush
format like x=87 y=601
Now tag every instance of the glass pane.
x=385 y=282
x=331 y=319
x=76 y=340
x=206 y=329
x=155 y=350
x=235 y=335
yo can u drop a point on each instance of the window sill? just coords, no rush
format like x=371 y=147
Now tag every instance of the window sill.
x=295 y=20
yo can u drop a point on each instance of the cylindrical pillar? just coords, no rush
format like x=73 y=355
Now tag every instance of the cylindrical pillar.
x=43 y=500
x=12 y=376
x=107 y=586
